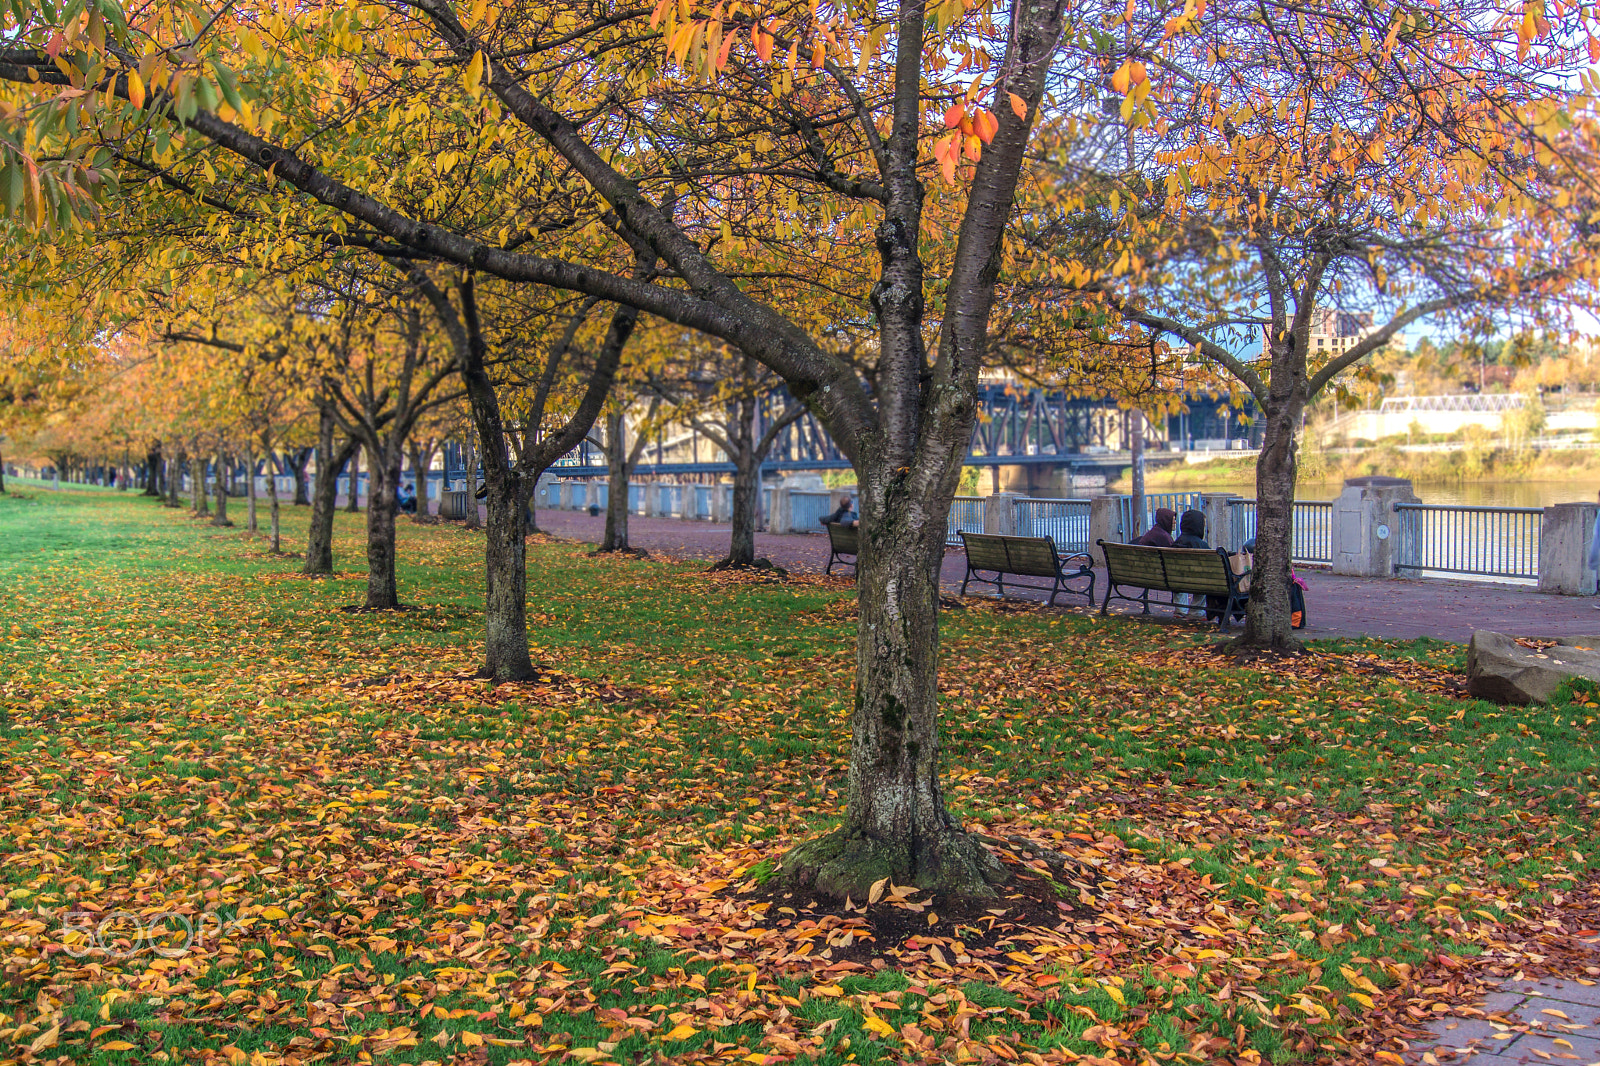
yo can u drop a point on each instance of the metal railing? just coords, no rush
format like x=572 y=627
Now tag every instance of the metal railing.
x=1178 y=501
x=966 y=516
x=1483 y=541
x=1311 y=532
x=1065 y=521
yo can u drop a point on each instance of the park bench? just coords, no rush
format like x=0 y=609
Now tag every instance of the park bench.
x=842 y=540
x=1198 y=571
x=1025 y=557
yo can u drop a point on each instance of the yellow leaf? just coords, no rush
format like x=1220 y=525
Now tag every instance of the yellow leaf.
x=474 y=74
x=236 y=1055
x=274 y=913
x=471 y=1039
x=681 y=1032
x=875 y=893
x=878 y=1025
x=46 y=1039
x=1362 y=998
x=119 y=1045
x=586 y=1054
x=135 y=88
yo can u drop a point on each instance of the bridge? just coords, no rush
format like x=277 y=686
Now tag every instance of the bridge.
x=1036 y=430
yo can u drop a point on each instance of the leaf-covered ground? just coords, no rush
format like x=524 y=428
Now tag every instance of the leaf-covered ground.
x=357 y=852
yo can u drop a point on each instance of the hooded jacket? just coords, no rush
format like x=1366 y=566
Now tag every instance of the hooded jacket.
x=1191 y=531
x=1159 y=535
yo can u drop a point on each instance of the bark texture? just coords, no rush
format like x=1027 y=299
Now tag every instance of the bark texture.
x=152 y=467
x=319 y=536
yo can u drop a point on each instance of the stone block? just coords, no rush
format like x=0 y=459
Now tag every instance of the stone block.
x=1500 y=669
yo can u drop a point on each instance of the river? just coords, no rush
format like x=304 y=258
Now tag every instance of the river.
x=1469 y=493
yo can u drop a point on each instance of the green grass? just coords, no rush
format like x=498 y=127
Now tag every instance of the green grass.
x=458 y=866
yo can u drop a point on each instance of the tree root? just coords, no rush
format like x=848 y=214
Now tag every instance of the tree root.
x=847 y=863
x=761 y=565
x=632 y=553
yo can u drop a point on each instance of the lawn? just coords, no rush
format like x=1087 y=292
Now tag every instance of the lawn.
x=242 y=825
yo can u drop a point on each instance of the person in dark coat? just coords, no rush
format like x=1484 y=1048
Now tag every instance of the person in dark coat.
x=1192 y=534
x=1159 y=535
x=1192 y=531
x=845 y=515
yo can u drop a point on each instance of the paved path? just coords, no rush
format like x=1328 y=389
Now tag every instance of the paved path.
x=1550 y=1021
x=1338 y=606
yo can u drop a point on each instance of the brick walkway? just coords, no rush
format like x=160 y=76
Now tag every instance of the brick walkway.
x=1338 y=606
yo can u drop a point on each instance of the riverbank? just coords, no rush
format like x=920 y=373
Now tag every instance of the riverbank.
x=1555 y=469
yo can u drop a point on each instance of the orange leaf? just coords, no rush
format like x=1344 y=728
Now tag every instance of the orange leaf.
x=763 y=46
x=952 y=117
x=986 y=126
x=1122 y=79
x=1019 y=106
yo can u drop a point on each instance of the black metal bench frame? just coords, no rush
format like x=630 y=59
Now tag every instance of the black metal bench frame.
x=1026 y=557
x=843 y=540
x=1116 y=581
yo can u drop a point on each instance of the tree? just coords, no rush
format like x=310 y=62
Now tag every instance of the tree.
x=604 y=158
x=719 y=394
x=1377 y=165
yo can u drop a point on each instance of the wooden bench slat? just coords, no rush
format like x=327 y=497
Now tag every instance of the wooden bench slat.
x=1022 y=557
x=1198 y=571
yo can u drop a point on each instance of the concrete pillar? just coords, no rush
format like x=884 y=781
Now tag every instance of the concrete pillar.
x=1365 y=529
x=1000 y=513
x=1565 y=533
x=547 y=493
x=1105 y=521
x=1219 y=520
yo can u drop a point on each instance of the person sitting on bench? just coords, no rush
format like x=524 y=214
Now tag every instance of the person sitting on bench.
x=845 y=515
x=1192 y=534
x=406 y=500
x=1159 y=535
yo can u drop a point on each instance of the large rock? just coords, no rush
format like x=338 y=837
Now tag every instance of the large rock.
x=1500 y=669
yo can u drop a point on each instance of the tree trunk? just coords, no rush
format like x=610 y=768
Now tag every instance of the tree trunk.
x=272 y=496
x=319 y=538
x=353 y=504
x=1268 y=622
x=152 y=464
x=297 y=467
x=384 y=478
x=897 y=824
x=505 y=560
x=471 y=517
x=197 y=487
x=250 y=488
x=506 y=575
x=421 y=464
x=1136 y=450
x=746 y=490
x=174 y=478
x=221 y=484
x=2 y=474
x=616 y=537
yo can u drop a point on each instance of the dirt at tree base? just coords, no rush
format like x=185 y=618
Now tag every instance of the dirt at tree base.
x=909 y=920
